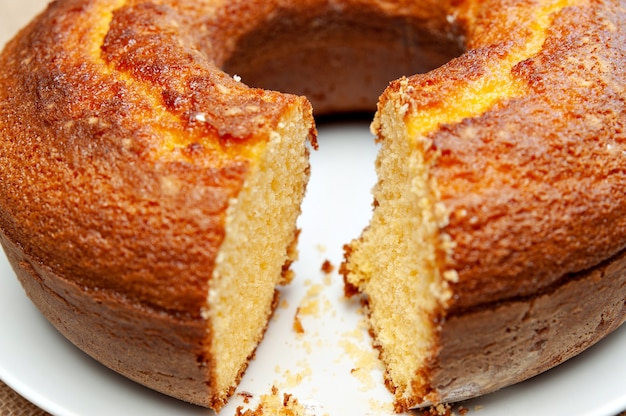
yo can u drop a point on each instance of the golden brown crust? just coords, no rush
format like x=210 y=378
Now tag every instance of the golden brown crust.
x=122 y=146
x=125 y=202
x=99 y=323
x=129 y=199
x=512 y=341
x=532 y=186
x=532 y=191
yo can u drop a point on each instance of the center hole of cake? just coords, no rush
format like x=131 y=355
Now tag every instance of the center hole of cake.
x=340 y=61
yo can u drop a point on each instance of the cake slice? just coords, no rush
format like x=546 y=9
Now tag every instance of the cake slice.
x=496 y=245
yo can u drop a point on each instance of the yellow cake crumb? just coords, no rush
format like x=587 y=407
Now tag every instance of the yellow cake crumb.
x=327 y=267
x=275 y=405
x=297 y=324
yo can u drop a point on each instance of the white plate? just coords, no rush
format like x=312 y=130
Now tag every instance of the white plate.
x=331 y=368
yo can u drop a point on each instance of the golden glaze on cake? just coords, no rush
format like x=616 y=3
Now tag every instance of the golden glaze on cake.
x=497 y=244
x=138 y=181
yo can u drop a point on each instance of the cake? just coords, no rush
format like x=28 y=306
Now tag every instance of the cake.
x=496 y=248
x=151 y=179
x=143 y=215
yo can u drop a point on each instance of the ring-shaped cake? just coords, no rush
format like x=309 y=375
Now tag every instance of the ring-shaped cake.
x=149 y=197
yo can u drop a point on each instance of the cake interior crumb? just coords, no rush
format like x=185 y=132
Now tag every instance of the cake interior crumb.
x=267 y=208
x=403 y=232
x=274 y=405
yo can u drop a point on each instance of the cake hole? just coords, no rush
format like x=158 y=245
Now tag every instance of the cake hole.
x=341 y=61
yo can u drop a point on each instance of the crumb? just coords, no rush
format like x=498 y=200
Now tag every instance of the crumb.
x=385 y=407
x=246 y=396
x=297 y=324
x=295 y=379
x=314 y=290
x=357 y=334
x=327 y=279
x=287 y=277
x=438 y=410
x=327 y=267
x=273 y=405
x=283 y=304
x=463 y=410
x=306 y=345
x=366 y=361
x=310 y=307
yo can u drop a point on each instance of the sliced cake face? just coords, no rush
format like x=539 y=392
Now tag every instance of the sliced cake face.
x=396 y=260
x=255 y=254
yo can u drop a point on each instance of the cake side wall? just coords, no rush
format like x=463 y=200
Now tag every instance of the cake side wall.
x=490 y=348
x=156 y=349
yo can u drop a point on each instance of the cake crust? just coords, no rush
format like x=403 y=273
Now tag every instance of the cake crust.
x=99 y=324
x=119 y=170
x=541 y=205
x=532 y=334
x=125 y=148
x=521 y=148
x=123 y=151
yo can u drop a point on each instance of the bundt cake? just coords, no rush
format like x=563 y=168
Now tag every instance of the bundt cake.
x=496 y=249
x=149 y=194
x=148 y=200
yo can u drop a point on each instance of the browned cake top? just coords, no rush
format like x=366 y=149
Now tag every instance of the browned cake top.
x=534 y=185
x=121 y=146
x=123 y=141
x=127 y=139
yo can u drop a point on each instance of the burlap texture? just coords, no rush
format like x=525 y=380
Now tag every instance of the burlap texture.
x=12 y=404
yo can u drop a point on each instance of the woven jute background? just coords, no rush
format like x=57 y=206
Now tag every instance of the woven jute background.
x=12 y=404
